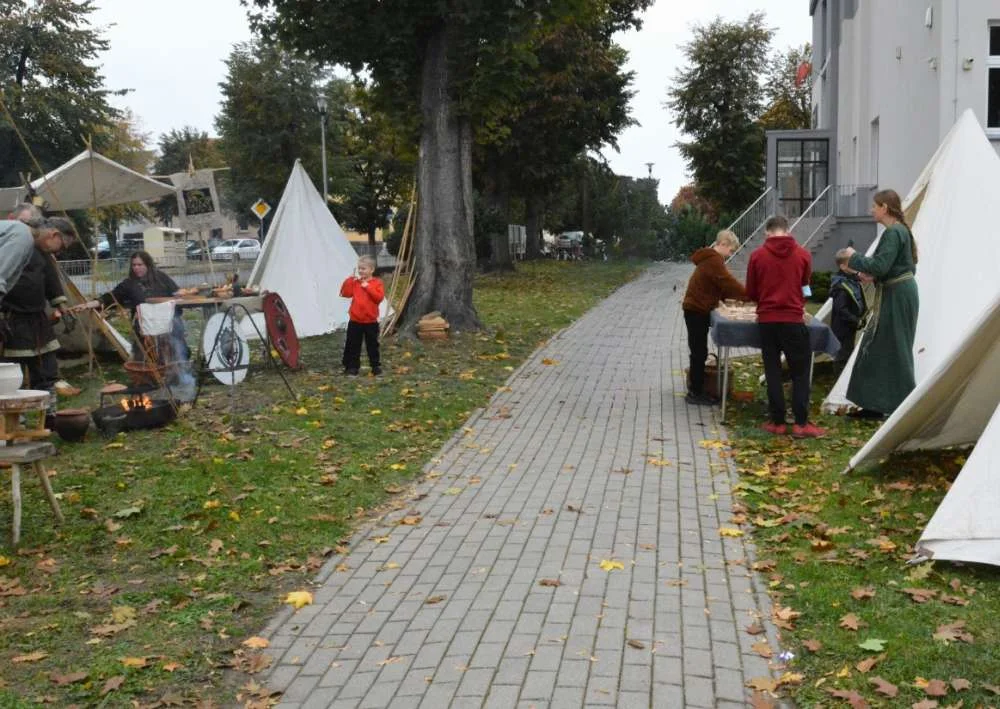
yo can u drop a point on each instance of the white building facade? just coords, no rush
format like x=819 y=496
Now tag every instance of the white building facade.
x=891 y=77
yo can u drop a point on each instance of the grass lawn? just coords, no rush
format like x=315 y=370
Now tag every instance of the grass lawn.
x=865 y=629
x=180 y=543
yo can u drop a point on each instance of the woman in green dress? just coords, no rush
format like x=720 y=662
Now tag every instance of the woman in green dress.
x=883 y=371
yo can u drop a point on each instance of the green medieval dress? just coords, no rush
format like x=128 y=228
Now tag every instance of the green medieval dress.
x=883 y=372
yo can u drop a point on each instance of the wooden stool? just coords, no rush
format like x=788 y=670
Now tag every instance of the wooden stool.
x=30 y=454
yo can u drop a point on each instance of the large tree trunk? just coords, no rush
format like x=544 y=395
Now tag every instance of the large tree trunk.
x=444 y=251
x=533 y=227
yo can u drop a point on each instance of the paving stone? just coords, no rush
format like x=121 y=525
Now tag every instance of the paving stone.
x=498 y=639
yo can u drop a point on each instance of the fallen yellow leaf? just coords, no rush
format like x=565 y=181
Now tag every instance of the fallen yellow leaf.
x=301 y=411
x=212 y=504
x=550 y=361
x=297 y=599
x=608 y=565
x=730 y=532
x=376 y=412
x=134 y=661
x=256 y=642
x=4 y=561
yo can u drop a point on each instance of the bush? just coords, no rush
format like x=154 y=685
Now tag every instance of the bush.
x=820 y=284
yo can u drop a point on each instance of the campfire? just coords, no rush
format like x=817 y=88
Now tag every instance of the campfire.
x=134 y=410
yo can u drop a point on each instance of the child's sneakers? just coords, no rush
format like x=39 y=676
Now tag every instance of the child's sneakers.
x=376 y=371
x=809 y=430
x=778 y=429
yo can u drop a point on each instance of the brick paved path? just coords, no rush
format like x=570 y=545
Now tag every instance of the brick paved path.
x=562 y=471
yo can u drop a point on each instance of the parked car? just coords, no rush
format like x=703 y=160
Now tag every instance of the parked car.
x=236 y=250
x=101 y=248
x=194 y=250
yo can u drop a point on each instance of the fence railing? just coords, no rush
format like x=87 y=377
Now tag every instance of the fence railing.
x=751 y=222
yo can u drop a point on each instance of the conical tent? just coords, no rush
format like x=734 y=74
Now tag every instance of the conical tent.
x=965 y=525
x=951 y=208
x=954 y=206
x=305 y=258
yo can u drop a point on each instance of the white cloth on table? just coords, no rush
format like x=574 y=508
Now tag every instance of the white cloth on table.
x=155 y=318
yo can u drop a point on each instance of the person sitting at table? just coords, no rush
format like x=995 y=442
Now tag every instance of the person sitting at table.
x=710 y=283
x=145 y=281
x=776 y=276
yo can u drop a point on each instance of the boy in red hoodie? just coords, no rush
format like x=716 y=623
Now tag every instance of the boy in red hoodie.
x=776 y=275
x=365 y=292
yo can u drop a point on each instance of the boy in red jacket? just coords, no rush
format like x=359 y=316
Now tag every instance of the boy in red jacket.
x=365 y=292
x=776 y=275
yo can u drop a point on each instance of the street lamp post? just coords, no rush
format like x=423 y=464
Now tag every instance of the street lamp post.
x=321 y=105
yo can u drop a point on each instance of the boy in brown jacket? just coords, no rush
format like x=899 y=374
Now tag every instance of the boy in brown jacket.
x=710 y=283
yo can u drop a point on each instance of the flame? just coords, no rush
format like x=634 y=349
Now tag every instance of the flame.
x=137 y=402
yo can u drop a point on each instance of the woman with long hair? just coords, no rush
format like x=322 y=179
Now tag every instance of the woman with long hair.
x=144 y=281
x=883 y=372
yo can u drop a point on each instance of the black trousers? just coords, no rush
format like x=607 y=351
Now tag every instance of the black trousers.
x=356 y=334
x=697 y=329
x=793 y=340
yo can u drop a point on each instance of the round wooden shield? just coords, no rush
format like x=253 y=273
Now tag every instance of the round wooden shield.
x=281 y=330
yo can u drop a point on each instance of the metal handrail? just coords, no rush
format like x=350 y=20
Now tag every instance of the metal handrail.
x=817 y=230
x=812 y=204
x=760 y=213
x=747 y=210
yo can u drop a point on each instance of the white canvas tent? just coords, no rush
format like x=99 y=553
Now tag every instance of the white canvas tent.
x=86 y=181
x=954 y=208
x=305 y=258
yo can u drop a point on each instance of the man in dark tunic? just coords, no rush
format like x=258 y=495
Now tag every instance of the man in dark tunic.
x=25 y=329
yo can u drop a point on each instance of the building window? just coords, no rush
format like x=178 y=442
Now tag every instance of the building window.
x=993 y=80
x=803 y=168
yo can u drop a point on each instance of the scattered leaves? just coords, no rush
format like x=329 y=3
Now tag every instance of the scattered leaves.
x=610 y=565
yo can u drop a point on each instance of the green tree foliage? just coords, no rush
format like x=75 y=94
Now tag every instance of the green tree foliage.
x=458 y=64
x=623 y=212
x=50 y=83
x=380 y=155
x=269 y=119
x=788 y=98
x=687 y=229
x=716 y=100
x=576 y=98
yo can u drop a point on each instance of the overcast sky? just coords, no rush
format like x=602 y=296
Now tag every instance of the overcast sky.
x=174 y=65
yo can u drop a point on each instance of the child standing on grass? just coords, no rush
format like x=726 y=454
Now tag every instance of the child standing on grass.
x=365 y=292
x=848 y=306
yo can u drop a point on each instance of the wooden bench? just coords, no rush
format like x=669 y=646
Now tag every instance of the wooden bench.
x=28 y=454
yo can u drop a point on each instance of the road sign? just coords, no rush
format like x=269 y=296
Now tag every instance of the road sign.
x=261 y=208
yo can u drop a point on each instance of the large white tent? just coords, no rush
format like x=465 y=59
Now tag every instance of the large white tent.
x=86 y=181
x=954 y=208
x=305 y=258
